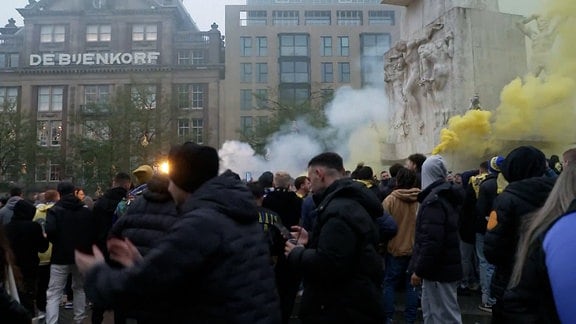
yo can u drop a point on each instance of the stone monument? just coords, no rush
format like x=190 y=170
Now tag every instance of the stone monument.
x=450 y=51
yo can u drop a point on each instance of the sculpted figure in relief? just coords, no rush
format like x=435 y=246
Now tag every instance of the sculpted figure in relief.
x=543 y=37
x=408 y=51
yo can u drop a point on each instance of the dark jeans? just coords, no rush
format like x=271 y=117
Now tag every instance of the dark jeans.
x=396 y=268
x=287 y=283
x=42 y=286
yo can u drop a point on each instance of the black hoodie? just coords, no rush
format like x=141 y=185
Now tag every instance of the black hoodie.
x=341 y=268
x=214 y=256
x=26 y=238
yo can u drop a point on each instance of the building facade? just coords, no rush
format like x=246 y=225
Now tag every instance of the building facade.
x=104 y=85
x=291 y=51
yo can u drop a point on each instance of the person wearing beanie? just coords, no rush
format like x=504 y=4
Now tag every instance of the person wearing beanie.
x=27 y=240
x=487 y=193
x=69 y=226
x=528 y=189
x=436 y=262
x=214 y=255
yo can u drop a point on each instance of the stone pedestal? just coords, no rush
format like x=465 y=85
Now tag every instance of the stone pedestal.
x=451 y=51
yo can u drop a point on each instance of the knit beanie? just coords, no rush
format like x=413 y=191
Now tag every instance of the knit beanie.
x=524 y=162
x=433 y=170
x=191 y=165
x=495 y=164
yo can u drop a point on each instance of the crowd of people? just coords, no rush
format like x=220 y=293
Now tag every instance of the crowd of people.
x=199 y=246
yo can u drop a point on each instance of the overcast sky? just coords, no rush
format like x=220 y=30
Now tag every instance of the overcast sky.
x=204 y=15
x=213 y=10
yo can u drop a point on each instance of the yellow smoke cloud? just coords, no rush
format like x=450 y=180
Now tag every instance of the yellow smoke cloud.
x=469 y=132
x=531 y=109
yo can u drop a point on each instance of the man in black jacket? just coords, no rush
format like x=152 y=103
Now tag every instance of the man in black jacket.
x=436 y=261
x=214 y=256
x=341 y=267
x=69 y=226
x=104 y=214
x=527 y=191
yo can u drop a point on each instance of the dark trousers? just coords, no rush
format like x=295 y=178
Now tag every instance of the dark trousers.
x=497 y=313
x=42 y=286
x=287 y=283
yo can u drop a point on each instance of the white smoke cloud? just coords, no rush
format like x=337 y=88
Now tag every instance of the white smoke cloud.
x=356 y=119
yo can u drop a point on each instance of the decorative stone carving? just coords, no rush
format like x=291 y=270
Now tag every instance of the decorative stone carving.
x=543 y=37
x=408 y=70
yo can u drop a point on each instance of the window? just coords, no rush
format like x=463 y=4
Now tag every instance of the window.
x=295 y=96
x=261 y=72
x=294 y=72
x=327 y=72
x=50 y=98
x=98 y=33
x=8 y=98
x=198 y=130
x=285 y=17
x=349 y=17
x=144 y=96
x=183 y=129
x=52 y=34
x=47 y=171
x=198 y=57
x=49 y=133
x=245 y=72
x=344 y=46
x=253 y=18
x=96 y=130
x=317 y=17
x=142 y=32
x=245 y=99
x=381 y=17
x=245 y=46
x=375 y=44
x=9 y=60
x=187 y=57
x=190 y=96
x=261 y=98
x=246 y=125
x=183 y=57
x=294 y=45
x=96 y=94
x=344 y=70
x=326 y=46
x=54 y=172
x=262 y=46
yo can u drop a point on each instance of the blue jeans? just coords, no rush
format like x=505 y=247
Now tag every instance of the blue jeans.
x=468 y=253
x=395 y=271
x=486 y=271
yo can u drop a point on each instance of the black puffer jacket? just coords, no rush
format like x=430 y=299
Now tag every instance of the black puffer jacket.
x=341 y=267
x=148 y=218
x=512 y=206
x=69 y=226
x=214 y=258
x=11 y=311
x=436 y=254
